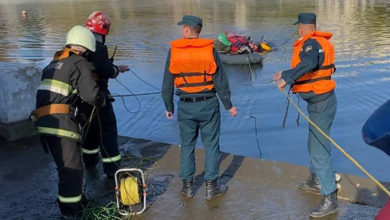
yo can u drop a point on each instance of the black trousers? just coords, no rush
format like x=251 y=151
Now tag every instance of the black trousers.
x=102 y=136
x=67 y=156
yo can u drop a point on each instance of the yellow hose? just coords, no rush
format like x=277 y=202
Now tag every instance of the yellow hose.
x=129 y=191
x=380 y=185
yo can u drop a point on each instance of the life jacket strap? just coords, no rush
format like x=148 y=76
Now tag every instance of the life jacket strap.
x=312 y=80
x=330 y=66
x=195 y=84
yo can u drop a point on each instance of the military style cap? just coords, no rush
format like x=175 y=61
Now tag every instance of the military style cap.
x=190 y=20
x=306 y=18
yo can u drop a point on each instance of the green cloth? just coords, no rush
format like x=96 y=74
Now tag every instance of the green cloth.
x=223 y=39
x=221 y=48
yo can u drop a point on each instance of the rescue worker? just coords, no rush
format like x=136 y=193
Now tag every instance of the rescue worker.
x=312 y=66
x=103 y=132
x=194 y=68
x=66 y=81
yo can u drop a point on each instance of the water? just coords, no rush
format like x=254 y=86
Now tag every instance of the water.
x=142 y=30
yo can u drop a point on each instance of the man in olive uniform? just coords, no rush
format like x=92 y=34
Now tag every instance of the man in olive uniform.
x=65 y=82
x=310 y=76
x=103 y=131
x=194 y=68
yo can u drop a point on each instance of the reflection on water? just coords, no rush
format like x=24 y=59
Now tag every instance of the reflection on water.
x=142 y=30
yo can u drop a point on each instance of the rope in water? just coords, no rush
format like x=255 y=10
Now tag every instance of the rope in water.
x=129 y=191
x=135 y=94
x=380 y=185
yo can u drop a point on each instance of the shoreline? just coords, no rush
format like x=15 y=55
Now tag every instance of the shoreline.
x=258 y=189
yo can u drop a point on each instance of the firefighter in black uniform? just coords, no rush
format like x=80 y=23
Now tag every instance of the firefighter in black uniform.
x=103 y=132
x=66 y=81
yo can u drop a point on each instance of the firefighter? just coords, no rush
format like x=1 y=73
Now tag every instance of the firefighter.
x=65 y=82
x=103 y=132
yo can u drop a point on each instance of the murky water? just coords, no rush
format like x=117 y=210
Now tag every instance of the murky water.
x=142 y=30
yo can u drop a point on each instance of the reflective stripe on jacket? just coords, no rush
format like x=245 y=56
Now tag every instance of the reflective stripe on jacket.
x=193 y=65
x=318 y=81
x=64 y=81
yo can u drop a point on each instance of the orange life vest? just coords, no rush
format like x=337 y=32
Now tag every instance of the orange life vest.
x=319 y=81
x=193 y=64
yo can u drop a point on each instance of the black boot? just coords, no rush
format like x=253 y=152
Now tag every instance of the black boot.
x=213 y=190
x=187 y=190
x=328 y=205
x=311 y=184
x=70 y=211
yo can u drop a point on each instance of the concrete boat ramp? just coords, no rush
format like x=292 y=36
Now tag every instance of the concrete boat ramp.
x=258 y=189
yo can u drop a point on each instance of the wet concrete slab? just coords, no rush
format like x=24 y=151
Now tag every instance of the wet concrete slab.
x=258 y=189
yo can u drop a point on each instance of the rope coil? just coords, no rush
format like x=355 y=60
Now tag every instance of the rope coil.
x=129 y=193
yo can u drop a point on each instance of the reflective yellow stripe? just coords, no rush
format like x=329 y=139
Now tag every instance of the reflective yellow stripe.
x=59 y=132
x=57 y=87
x=73 y=199
x=111 y=159
x=54 y=89
x=87 y=151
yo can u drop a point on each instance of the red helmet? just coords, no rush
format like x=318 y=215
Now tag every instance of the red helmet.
x=98 y=22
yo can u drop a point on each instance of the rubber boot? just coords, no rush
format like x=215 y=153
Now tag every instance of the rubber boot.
x=328 y=205
x=213 y=190
x=187 y=190
x=311 y=184
x=70 y=211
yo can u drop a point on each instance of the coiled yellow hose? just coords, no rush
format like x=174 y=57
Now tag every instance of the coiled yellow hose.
x=129 y=191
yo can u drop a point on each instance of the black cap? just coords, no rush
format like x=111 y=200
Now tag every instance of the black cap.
x=190 y=20
x=306 y=18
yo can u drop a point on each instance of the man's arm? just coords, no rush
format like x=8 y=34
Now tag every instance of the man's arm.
x=102 y=64
x=221 y=83
x=86 y=85
x=309 y=61
x=167 y=90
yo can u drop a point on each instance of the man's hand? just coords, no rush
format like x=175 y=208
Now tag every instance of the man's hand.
x=123 y=69
x=169 y=115
x=281 y=84
x=233 y=111
x=278 y=76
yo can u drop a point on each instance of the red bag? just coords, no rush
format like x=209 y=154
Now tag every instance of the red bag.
x=384 y=213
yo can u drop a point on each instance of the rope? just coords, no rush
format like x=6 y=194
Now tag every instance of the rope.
x=129 y=191
x=257 y=137
x=380 y=185
x=144 y=81
x=137 y=94
x=250 y=69
x=132 y=94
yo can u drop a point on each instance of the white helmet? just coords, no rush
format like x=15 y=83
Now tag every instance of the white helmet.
x=81 y=36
